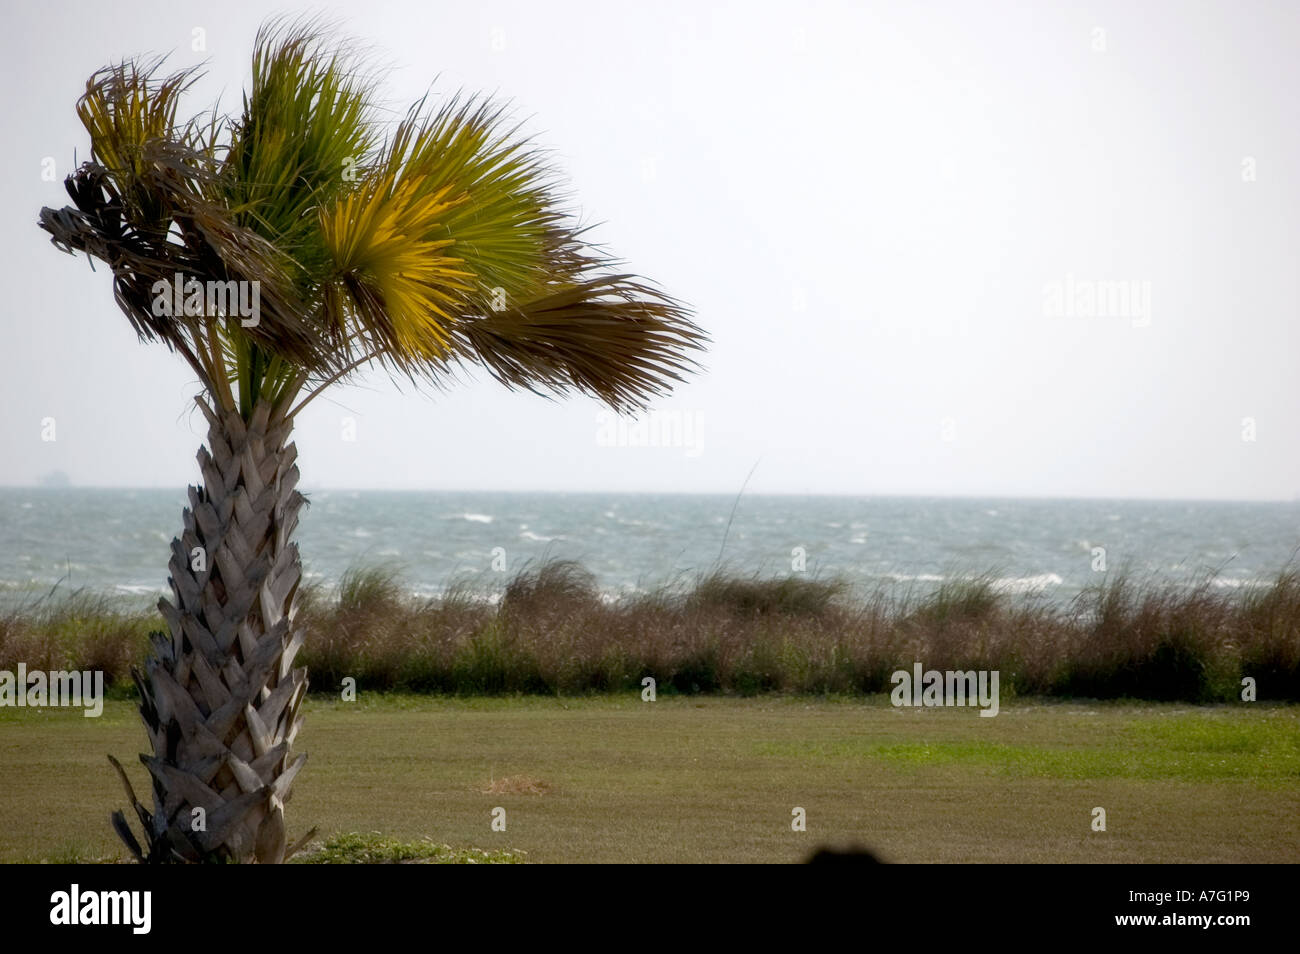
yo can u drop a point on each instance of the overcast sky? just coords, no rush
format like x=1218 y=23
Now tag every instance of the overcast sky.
x=974 y=249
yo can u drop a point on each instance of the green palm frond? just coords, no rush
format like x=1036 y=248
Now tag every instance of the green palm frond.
x=306 y=134
x=501 y=230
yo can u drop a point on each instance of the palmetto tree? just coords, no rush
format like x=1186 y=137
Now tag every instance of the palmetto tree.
x=419 y=245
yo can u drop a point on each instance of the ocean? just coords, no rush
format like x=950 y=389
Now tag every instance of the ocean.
x=117 y=541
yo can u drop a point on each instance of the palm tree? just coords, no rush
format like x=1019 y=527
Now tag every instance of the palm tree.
x=421 y=246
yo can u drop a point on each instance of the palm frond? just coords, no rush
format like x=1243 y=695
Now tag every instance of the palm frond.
x=127 y=110
x=307 y=133
x=391 y=285
x=611 y=337
x=507 y=207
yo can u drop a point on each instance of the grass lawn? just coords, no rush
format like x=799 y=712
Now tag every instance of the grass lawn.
x=614 y=779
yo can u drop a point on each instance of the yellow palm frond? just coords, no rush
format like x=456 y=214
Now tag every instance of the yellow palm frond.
x=403 y=286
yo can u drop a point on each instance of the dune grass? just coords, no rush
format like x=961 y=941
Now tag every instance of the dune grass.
x=551 y=632
x=79 y=630
x=610 y=778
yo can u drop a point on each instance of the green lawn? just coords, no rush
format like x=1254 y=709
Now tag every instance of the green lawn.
x=610 y=779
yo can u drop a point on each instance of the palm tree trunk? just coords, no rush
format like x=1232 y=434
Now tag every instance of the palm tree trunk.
x=220 y=696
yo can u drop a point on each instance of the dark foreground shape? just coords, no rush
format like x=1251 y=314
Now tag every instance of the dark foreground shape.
x=854 y=853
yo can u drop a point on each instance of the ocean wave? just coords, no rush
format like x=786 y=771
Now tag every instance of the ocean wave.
x=529 y=535
x=1027 y=584
x=1234 y=582
x=476 y=517
x=139 y=589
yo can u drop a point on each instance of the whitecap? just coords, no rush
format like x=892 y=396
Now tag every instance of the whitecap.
x=476 y=517
x=1232 y=582
x=1026 y=584
x=138 y=589
x=529 y=535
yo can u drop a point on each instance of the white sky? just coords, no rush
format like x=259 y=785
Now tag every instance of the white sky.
x=865 y=204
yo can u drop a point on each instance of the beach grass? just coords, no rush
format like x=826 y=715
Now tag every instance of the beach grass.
x=408 y=778
x=551 y=632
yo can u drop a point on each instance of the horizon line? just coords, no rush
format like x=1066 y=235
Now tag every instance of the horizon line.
x=703 y=493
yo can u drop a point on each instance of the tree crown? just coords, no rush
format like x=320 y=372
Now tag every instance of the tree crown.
x=436 y=241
